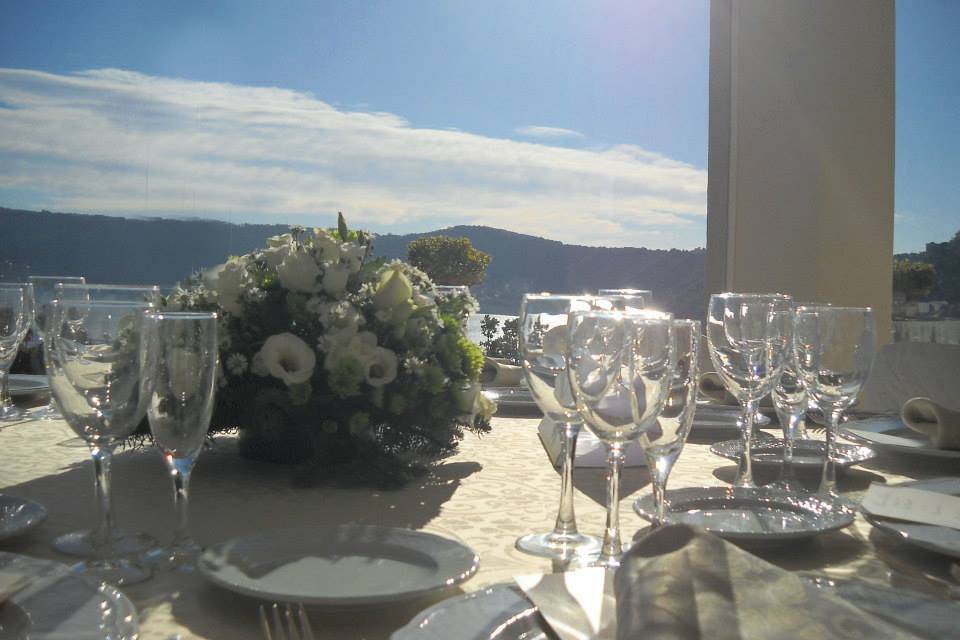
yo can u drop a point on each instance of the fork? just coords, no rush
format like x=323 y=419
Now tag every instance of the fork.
x=297 y=625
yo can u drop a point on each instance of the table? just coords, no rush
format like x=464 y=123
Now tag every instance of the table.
x=494 y=489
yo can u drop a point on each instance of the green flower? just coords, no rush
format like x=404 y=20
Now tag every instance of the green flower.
x=345 y=378
x=359 y=422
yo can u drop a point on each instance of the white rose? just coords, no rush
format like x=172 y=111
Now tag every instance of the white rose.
x=227 y=282
x=287 y=357
x=324 y=243
x=275 y=255
x=381 y=367
x=299 y=272
x=335 y=279
x=283 y=240
x=348 y=342
x=353 y=254
x=394 y=289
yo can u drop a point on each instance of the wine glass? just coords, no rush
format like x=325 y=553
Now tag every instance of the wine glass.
x=179 y=352
x=93 y=361
x=108 y=292
x=44 y=291
x=834 y=349
x=620 y=368
x=645 y=294
x=16 y=313
x=663 y=442
x=748 y=340
x=543 y=344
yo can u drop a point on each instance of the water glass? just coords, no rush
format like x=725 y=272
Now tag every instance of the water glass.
x=44 y=292
x=179 y=352
x=16 y=313
x=620 y=368
x=664 y=441
x=543 y=346
x=93 y=361
x=748 y=336
x=636 y=294
x=834 y=348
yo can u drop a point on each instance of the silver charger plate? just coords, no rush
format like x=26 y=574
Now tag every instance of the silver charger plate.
x=58 y=604
x=24 y=384
x=890 y=434
x=19 y=515
x=926 y=536
x=806 y=453
x=343 y=566
x=750 y=515
x=511 y=397
x=500 y=611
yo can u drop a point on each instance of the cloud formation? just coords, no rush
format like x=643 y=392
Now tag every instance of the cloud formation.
x=119 y=142
x=535 y=131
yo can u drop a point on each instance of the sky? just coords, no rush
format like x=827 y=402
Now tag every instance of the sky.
x=584 y=122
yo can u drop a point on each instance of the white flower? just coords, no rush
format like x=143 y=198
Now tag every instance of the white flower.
x=353 y=254
x=227 y=281
x=326 y=246
x=257 y=366
x=273 y=256
x=335 y=279
x=299 y=272
x=287 y=357
x=284 y=240
x=394 y=289
x=381 y=367
x=237 y=364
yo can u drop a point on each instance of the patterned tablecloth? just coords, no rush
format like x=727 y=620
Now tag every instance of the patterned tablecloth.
x=495 y=489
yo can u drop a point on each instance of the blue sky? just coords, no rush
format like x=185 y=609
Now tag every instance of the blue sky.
x=580 y=121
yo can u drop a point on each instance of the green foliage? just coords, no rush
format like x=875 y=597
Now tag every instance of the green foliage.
x=504 y=345
x=449 y=261
x=913 y=279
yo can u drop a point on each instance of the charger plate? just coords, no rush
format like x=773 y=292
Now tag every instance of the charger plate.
x=750 y=515
x=25 y=384
x=806 y=453
x=58 y=604
x=889 y=434
x=926 y=536
x=344 y=566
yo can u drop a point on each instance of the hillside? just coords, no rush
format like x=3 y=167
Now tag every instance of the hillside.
x=124 y=250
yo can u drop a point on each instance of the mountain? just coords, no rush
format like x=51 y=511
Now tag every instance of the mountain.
x=126 y=251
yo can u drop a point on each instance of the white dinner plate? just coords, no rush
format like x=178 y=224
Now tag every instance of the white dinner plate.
x=344 y=566
x=890 y=434
x=806 y=453
x=24 y=384
x=927 y=536
x=58 y=604
x=18 y=515
x=750 y=515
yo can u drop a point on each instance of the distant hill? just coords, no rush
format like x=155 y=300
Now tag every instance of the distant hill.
x=125 y=250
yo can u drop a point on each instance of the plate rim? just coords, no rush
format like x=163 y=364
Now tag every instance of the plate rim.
x=32 y=523
x=845 y=521
x=40 y=382
x=884 y=524
x=340 y=601
x=927 y=451
x=842 y=464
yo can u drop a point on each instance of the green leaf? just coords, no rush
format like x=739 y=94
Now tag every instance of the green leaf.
x=342 y=227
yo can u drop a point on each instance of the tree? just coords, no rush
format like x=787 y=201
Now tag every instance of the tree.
x=504 y=345
x=913 y=279
x=450 y=261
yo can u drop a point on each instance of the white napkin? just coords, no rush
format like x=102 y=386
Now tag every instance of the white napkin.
x=578 y=605
x=914 y=505
x=932 y=419
x=11 y=583
x=500 y=373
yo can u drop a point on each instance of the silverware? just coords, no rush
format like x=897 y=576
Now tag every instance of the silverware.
x=297 y=625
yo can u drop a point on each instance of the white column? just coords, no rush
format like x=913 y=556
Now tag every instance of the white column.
x=801 y=157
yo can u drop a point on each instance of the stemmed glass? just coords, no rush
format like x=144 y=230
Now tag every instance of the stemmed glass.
x=543 y=345
x=16 y=313
x=790 y=400
x=179 y=352
x=645 y=294
x=44 y=292
x=748 y=346
x=834 y=351
x=93 y=361
x=663 y=442
x=620 y=368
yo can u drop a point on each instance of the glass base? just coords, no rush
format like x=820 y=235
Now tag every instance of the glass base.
x=115 y=572
x=12 y=412
x=47 y=412
x=557 y=545
x=74 y=443
x=182 y=556
x=81 y=543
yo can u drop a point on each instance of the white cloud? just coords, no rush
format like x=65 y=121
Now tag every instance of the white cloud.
x=119 y=142
x=534 y=131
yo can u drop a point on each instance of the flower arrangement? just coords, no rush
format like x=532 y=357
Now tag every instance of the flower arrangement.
x=351 y=367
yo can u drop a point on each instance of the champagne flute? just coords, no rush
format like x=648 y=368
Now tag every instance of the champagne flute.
x=663 y=442
x=748 y=348
x=620 y=368
x=834 y=348
x=44 y=292
x=179 y=351
x=93 y=361
x=543 y=340
x=16 y=312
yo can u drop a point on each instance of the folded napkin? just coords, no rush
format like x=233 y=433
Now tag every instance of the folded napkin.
x=11 y=583
x=712 y=387
x=578 y=605
x=913 y=505
x=497 y=372
x=679 y=582
x=932 y=419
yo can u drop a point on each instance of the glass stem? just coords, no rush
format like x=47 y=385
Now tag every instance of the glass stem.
x=4 y=390
x=790 y=431
x=102 y=456
x=612 y=547
x=745 y=470
x=180 y=469
x=828 y=482
x=566 y=519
